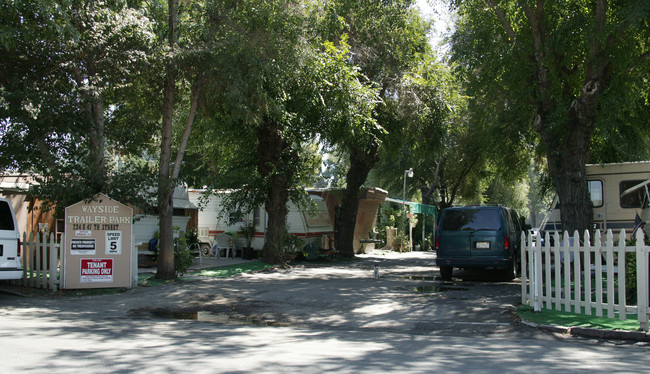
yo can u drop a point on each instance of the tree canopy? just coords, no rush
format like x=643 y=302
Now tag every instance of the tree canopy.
x=559 y=69
x=67 y=67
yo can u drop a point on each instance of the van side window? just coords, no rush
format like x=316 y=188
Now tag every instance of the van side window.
x=596 y=192
x=6 y=219
x=633 y=199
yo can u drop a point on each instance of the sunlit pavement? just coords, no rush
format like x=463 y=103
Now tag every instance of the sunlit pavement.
x=305 y=319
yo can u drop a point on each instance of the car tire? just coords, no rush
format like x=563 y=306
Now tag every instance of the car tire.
x=510 y=272
x=205 y=249
x=446 y=272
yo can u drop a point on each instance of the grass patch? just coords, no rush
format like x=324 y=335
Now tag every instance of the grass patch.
x=566 y=319
x=231 y=270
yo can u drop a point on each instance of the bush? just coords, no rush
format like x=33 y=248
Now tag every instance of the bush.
x=183 y=259
x=292 y=243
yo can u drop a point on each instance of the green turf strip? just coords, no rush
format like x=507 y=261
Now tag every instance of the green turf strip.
x=566 y=319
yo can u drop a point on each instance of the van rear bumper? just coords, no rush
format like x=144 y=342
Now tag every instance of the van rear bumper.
x=6 y=274
x=474 y=262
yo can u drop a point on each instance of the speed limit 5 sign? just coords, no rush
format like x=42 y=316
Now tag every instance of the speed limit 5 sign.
x=113 y=242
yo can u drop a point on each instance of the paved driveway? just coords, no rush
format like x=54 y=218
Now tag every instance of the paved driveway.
x=306 y=319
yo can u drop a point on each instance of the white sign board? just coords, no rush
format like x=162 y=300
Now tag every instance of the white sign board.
x=113 y=243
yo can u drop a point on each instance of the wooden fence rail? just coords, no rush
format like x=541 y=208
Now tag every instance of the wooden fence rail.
x=42 y=261
x=584 y=276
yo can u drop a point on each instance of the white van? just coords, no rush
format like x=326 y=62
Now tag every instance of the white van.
x=10 y=267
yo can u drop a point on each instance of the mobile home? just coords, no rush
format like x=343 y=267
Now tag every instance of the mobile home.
x=312 y=227
x=618 y=193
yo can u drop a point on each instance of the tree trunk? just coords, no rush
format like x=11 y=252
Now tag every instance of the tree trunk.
x=166 y=269
x=361 y=162
x=567 y=152
x=566 y=158
x=165 y=187
x=276 y=207
x=270 y=148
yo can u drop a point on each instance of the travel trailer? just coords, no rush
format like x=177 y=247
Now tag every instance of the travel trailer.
x=146 y=226
x=312 y=227
x=618 y=192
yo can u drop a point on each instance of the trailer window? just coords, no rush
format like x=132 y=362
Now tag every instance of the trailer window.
x=634 y=199
x=257 y=213
x=235 y=217
x=596 y=192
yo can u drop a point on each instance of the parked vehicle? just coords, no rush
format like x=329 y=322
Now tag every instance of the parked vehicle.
x=10 y=267
x=618 y=193
x=478 y=237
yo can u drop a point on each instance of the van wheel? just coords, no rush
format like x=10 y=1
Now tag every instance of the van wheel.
x=445 y=272
x=205 y=249
x=510 y=272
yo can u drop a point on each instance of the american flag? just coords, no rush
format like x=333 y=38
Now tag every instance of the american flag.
x=638 y=223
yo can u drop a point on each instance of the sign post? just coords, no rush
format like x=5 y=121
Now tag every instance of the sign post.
x=98 y=237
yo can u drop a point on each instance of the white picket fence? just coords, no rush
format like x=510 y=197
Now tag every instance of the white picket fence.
x=584 y=276
x=42 y=261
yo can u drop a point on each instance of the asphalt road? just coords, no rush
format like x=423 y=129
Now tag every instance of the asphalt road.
x=306 y=319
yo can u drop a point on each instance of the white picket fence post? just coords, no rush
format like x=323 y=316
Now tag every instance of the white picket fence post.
x=642 y=280
x=576 y=268
x=42 y=260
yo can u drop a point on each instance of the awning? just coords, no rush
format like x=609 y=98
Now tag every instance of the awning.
x=425 y=209
x=428 y=210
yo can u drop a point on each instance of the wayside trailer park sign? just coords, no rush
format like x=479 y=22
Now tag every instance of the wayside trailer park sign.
x=98 y=244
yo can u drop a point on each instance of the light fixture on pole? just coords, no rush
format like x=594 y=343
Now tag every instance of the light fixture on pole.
x=408 y=173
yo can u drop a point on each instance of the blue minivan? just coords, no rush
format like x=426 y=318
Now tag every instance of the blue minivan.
x=478 y=237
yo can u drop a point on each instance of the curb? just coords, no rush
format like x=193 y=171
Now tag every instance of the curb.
x=636 y=336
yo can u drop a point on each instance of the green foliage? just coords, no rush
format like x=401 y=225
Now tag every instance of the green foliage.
x=248 y=231
x=292 y=243
x=564 y=80
x=191 y=237
x=183 y=258
x=183 y=255
x=402 y=241
x=630 y=278
x=62 y=94
x=630 y=272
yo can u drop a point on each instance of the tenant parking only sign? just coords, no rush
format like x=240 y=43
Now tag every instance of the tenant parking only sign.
x=98 y=244
x=96 y=270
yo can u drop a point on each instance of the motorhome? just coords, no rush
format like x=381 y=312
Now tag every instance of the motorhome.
x=618 y=191
x=312 y=226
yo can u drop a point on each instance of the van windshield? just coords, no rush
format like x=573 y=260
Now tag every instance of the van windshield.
x=471 y=220
x=6 y=219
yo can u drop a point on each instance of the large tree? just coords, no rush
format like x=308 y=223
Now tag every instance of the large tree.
x=283 y=88
x=576 y=72
x=66 y=68
x=386 y=38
